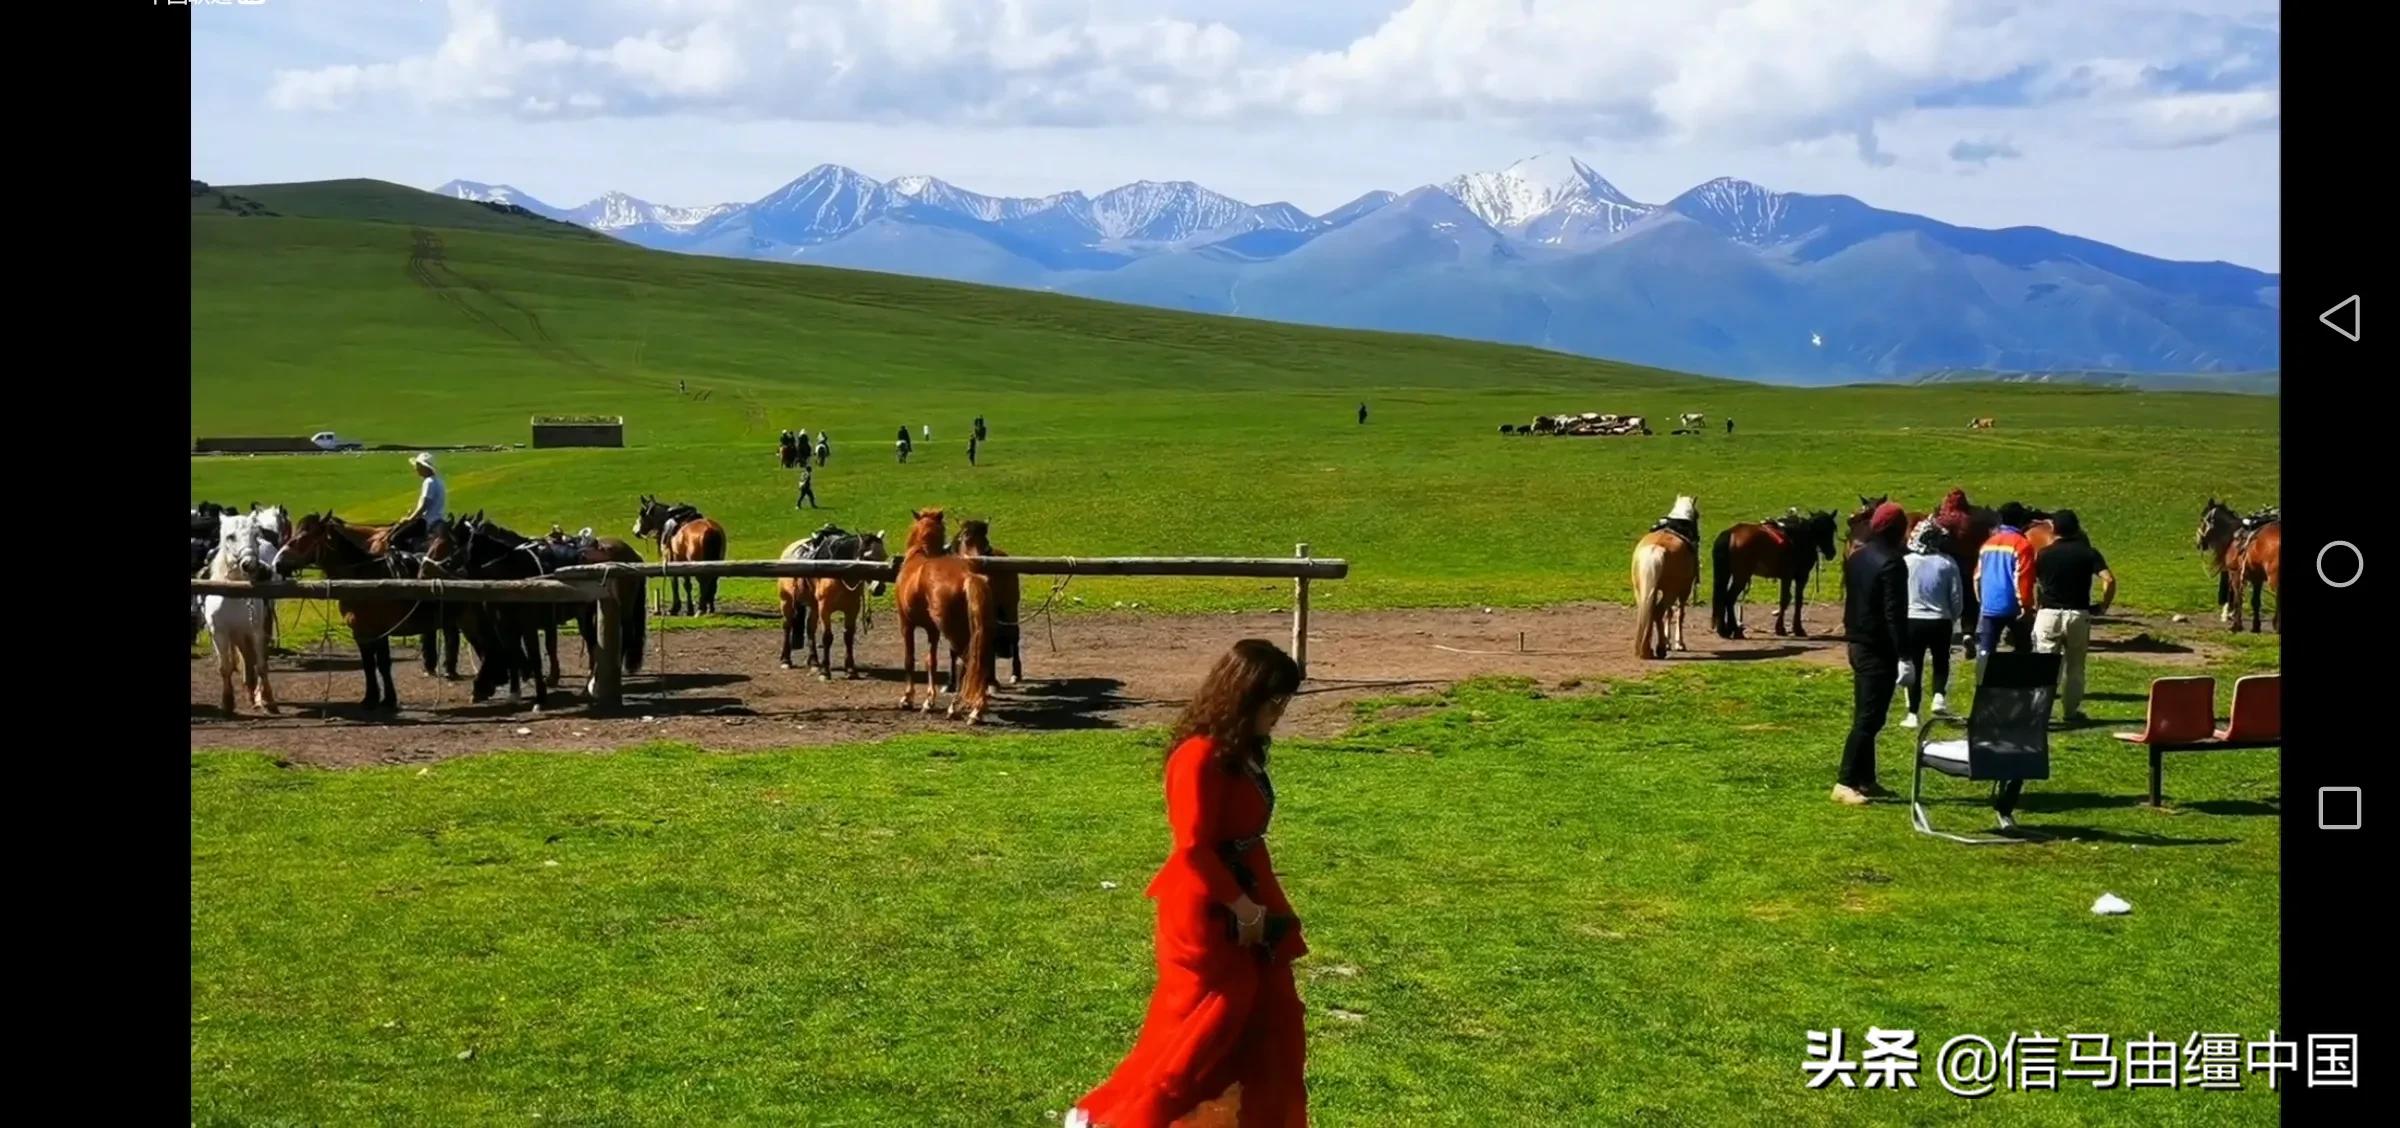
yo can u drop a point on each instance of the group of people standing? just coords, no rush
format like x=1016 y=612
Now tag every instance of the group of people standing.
x=903 y=446
x=1901 y=604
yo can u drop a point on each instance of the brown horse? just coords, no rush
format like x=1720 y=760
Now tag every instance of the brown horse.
x=1666 y=570
x=2246 y=556
x=826 y=596
x=1968 y=526
x=682 y=533
x=342 y=552
x=975 y=539
x=941 y=594
x=1785 y=554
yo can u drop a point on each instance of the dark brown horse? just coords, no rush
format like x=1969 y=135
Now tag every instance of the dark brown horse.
x=342 y=552
x=2246 y=555
x=975 y=539
x=1783 y=552
x=682 y=533
x=941 y=594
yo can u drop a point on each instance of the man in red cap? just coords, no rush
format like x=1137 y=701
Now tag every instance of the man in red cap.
x=1875 y=618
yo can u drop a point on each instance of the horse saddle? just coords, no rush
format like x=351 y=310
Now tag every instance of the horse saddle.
x=832 y=543
x=1679 y=526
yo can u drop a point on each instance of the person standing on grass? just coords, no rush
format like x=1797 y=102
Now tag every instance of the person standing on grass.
x=808 y=489
x=1224 y=1040
x=1937 y=596
x=2062 y=598
x=1729 y=424
x=1875 y=617
x=2004 y=587
x=970 y=450
x=1362 y=414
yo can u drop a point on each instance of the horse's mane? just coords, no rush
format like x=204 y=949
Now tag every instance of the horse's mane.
x=1955 y=502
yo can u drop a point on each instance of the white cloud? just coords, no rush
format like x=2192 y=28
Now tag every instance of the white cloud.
x=2202 y=119
x=1734 y=71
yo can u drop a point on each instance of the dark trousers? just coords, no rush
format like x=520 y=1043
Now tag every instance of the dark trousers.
x=809 y=495
x=1874 y=673
x=2005 y=793
x=1990 y=629
x=1927 y=638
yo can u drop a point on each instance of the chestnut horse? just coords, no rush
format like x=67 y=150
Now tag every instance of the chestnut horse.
x=1786 y=554
x=682 y=533
x=2246 y=556
x=975 y=539
x=823 y=597
x=941 y=594
x=1666 y=569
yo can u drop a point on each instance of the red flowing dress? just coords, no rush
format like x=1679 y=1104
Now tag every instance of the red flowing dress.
x=1223 y=1042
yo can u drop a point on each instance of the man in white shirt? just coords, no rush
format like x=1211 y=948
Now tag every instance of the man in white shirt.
x=433 y=501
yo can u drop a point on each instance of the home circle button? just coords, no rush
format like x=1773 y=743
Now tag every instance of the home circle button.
x=2357 y=568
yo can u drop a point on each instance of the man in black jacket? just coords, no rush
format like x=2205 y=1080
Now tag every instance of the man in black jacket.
x=1876 y=621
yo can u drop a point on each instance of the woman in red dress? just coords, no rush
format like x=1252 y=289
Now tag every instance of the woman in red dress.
x=1223 y=1041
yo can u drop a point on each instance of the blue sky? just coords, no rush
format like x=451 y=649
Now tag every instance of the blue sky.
x=2155 y=126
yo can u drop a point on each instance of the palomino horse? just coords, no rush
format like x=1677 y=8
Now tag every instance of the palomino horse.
x=825 y=596
x=682 y=533
x=1784 y=553
x=1666 y=569
x=340 y=550
x=941 y=594
x=975 y=539
x=2246 y=554
x=238 y=627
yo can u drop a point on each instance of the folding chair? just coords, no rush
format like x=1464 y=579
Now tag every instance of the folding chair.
x=2008 y=736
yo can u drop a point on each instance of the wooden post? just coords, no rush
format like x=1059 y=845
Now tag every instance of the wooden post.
x=608 y=660
x=1300 y=615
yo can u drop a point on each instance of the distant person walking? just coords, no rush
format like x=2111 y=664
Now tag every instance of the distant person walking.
x=808 y=489
x=1362 y=415
x=681 y=390
x=1937 y=596
x=980 y=434
x=902 y=445
x=1729 y=424
x=2004 y=587
x=1876 y=620
x=928 y=432
x=824 y=448
x=2062 y=598
x=970 y=451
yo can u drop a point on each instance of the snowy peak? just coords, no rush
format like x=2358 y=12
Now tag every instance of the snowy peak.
x=1540 y=186
x=1356 y=208
x=616 y=211
x=1151 y=211
x=496 y=194
x=1739 y=209
x=827 y=203
x=933 y=191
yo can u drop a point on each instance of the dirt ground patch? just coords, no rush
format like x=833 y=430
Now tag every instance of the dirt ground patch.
x=722 y=689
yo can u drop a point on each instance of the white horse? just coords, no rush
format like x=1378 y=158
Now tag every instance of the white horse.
x=237 y=626
x=1691 y=420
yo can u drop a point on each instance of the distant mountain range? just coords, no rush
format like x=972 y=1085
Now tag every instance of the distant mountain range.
x=1729 y=278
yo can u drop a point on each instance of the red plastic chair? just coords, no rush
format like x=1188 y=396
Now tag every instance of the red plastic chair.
x=2182 y=714
x=2257 y=718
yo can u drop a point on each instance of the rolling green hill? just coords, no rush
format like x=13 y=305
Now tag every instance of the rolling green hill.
x=395 y=316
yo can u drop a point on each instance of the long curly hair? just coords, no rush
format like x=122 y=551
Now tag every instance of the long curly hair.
x=1251 y=674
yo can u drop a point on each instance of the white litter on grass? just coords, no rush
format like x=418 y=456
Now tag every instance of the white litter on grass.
x=2179 y=618
x=2110 y=904
x=1108 y=885
x=524 y=731
x=551 y=862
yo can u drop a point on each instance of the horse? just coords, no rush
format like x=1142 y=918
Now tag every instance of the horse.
x=975 y=539
x=340 y=550
x=477 y=548
x=1666 y=569
x=788 y=450
x=1787 y=552
x=682 y=533
x=238 y=626
x=942 y=594
x=1691 y=421
x=2247 y=555
x=1967 y=526
x=801 y=597
x=1981 y=423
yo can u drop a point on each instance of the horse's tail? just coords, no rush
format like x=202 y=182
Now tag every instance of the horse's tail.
x=1646 y=595
x=712 y=547
x=1720 y=601
x=634 y=638
x=976 y=692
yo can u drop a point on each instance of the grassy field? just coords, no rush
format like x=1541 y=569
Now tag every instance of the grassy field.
x=1562 y=904
x=1114 y=430
x=1595 y=906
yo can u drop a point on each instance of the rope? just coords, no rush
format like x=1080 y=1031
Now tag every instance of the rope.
x=1050 y=624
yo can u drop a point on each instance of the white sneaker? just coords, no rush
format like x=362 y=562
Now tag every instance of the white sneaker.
x=1941 y=703
x=2008 y=822
x=1908 y=720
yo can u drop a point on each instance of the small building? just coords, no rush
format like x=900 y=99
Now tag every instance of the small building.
x=578 y=431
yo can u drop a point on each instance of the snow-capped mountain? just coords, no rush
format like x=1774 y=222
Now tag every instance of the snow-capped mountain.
x=1547 y=199
x=1728 y=277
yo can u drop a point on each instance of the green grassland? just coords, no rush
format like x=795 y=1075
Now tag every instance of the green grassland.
x=1115 y=430
x=1609 y=905
x=1558 y=904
